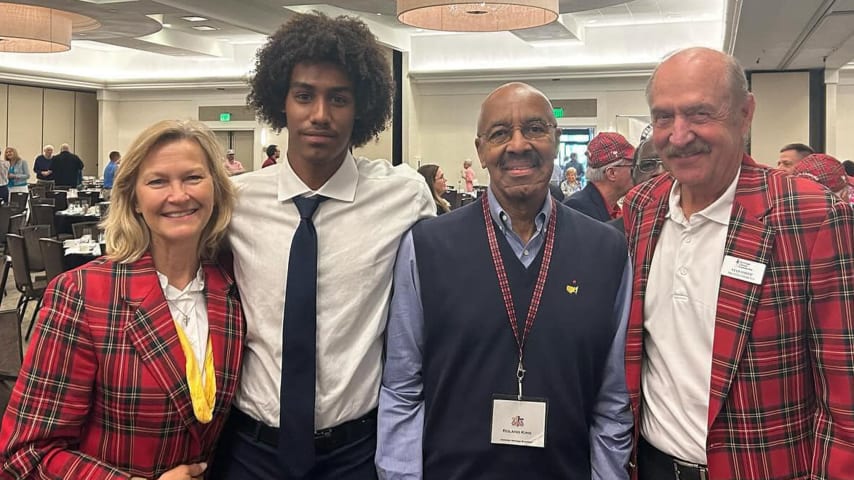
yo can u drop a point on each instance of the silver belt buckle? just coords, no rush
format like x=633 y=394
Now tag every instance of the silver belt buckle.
x=703 y=471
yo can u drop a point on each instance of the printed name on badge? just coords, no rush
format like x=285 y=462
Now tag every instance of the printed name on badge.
x=519 y=422
x=742 y=269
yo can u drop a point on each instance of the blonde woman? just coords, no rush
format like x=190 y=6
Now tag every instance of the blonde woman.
x=19 y=172
x=136 y=356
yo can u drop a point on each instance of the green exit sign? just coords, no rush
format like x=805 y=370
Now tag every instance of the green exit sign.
x=558 y=112
x=225 y=117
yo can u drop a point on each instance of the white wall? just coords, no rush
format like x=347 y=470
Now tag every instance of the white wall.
x=782 y=113
x=124 y=114
x=843 y=133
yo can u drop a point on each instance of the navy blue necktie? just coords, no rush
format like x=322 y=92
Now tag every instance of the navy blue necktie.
x=299 y=346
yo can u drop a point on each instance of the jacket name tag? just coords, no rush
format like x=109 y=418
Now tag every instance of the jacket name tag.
x=742 y=269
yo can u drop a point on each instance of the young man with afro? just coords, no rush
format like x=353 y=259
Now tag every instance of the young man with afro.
x=315 y=239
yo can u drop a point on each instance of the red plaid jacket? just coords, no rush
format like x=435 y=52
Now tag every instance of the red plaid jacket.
x=782 y=390
x=103 y=390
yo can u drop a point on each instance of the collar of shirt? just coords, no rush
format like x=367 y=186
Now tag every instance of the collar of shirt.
x=719 y=211
x=171 y=293
x=340 y=186
x=524 y=252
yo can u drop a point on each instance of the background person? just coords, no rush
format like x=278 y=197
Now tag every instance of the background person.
x=273 y=154
x=4 y=181
x=468 y=176
x=67 y=168
x=19 y=171
x=610 y=161
x=435 y=178
x=826 y=170
x=791 y=155
x=571 y=184
x=136 y=356
x=232 y=165
x=110 y=174
x=43 y=165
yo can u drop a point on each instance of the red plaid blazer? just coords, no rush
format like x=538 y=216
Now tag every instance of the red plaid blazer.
x=782 y=390
x=103 y=390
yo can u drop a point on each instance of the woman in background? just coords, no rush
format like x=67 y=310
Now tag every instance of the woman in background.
x=571 y=184
x=19 y=172
x=136 y=356
x=435 y=178
x=4 y=181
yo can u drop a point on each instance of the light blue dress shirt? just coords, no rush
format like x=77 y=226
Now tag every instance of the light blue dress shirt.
x=401 y=407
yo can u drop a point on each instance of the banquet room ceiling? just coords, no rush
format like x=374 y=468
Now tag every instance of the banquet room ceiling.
x=143 y=42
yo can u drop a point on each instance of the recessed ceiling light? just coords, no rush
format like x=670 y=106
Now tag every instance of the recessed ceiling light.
x=166 y=25
x=204 y=28
x=195 y=19
x=378 y=13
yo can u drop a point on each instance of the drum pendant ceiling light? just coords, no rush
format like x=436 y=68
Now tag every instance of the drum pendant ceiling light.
x=34 y=29
x=461 y=16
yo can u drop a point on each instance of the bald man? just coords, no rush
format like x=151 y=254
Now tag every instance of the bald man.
x=739 y=347
x=520 y=374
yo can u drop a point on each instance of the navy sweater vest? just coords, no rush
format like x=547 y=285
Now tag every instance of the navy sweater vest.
x=470 y=352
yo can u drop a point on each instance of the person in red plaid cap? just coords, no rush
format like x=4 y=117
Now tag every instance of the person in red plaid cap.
x=825 y=170
x=610 y=159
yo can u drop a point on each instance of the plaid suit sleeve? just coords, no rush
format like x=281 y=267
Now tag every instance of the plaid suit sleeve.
x=53 y=394
x=831 y=318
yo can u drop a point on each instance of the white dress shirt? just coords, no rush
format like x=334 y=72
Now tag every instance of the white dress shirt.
x=188 y=307
x=679 y=323
x=370 y=206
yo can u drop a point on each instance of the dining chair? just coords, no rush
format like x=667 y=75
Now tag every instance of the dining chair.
x=86 y=228
x=18 y=201
x=31 y=289
x=32 y=234
x=11 y=353
x=53 y=254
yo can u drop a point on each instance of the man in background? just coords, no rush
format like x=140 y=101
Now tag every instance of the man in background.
x=43 y=165
x=791 y=154
x=67 y=168
x=110 y=174
x=739 y=346
x=826 y=170
x=232 y=165
x=314 y=242
x=460 y=398
x=273 y=154
x=648 y=165
x=610 y=161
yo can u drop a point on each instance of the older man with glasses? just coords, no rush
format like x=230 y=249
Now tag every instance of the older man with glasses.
x=647 y=165
x=610 y=162
x=517 y=375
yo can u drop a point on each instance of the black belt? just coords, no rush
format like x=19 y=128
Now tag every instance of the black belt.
x=325 y=440
x=651 y=459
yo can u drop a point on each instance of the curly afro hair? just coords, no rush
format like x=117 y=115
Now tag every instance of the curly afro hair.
x=315 y=37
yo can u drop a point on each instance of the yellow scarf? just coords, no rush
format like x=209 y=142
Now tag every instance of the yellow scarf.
x=202 y=395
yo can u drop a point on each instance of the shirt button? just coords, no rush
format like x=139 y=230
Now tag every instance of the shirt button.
x=688 y=240
x=683 y=271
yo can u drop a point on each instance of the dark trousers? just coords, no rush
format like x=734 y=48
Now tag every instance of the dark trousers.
x=239 y=456
x=655 y=465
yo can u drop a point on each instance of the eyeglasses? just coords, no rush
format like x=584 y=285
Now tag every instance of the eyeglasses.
x=533 y=130
x=649 y=165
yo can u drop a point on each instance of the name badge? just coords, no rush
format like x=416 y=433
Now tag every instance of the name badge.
x=519 y=422
x=742 y=269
